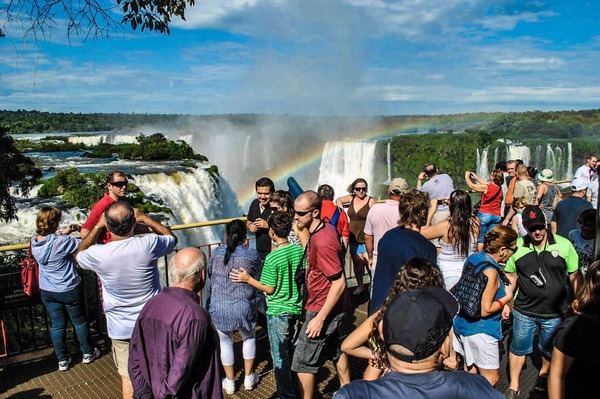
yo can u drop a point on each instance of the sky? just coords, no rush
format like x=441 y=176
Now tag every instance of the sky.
x=317 y=57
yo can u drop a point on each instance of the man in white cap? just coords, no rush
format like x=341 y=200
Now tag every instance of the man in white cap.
x=567 y=211
x=415 y=330
x=381 y=218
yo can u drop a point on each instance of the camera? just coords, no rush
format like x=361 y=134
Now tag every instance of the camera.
x=538 y=279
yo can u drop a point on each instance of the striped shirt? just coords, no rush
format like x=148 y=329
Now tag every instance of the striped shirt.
x=278 y=271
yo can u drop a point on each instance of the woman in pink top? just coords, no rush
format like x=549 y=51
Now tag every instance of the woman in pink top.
x=491 y=200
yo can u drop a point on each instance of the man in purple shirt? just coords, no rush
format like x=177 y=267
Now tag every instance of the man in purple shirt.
x=174 y=350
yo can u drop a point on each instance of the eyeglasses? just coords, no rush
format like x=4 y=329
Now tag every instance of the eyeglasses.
x=303 y=213
x=360 y=189
x=120 y=184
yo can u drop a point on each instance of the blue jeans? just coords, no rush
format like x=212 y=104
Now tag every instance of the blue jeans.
x=524 y=330
x=487 y=221
x=283 y=330
x=58 y=305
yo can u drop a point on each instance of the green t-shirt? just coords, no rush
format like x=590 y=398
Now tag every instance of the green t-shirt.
x=556 y=261
x=278 y=271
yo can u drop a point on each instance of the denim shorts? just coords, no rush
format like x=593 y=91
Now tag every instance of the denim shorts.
x=357 y=248
x=524 y=330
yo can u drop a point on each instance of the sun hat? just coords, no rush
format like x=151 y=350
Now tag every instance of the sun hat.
x=546 y=175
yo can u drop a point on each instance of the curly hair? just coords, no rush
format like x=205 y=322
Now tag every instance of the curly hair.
x=281 y=223
x=415 y=274
x=413 y=207
x=587 y=299
x=355 y=182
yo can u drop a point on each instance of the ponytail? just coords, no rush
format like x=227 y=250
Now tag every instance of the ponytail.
x=236 y=234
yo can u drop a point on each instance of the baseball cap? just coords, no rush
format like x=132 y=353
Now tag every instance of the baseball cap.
x=578 y=185
x=419 y=321
x=398 y=184
x=533 y=217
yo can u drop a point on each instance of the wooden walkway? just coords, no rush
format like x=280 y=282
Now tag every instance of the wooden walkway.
x=41 y=379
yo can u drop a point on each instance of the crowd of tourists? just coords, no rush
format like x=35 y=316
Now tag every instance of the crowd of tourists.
x=443 y=276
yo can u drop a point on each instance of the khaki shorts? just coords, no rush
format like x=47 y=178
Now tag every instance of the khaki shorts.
x=120 y=351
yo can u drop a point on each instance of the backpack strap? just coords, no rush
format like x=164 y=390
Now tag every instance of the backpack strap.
x=335 y=217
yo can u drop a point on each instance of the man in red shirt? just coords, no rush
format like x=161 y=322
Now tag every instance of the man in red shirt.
x=328 y=300
x=116 y=184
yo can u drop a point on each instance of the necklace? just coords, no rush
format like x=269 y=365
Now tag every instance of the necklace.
x=277 y=245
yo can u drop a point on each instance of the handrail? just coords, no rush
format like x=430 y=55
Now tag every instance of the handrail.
x=25 y=245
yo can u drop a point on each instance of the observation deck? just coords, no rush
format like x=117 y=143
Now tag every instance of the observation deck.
x=33 y=372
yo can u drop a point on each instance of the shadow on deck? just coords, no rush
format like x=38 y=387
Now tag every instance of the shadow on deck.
x=41 y=379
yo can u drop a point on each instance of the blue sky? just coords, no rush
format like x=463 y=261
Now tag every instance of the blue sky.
x=319 y=57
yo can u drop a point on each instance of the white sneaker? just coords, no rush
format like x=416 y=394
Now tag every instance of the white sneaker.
x=64 y=365
x=88 y=358
x=250 y=381
x=228 y=386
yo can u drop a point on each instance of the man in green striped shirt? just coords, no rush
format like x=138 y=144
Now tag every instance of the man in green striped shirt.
x=284 y=300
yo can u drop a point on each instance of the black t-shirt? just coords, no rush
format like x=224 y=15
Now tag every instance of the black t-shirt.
x=263 y=241
x=577 y=337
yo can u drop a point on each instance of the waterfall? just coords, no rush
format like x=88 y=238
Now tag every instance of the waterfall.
x=246 y=154
x=569 y=174
x=519 y=151
x=389 y=163
x=496 y=156
x=103 y=138
x=538 y=157
x=344 y=161
x=482 y=163
x=559 y=162
x=550 y=158
x=194 y=197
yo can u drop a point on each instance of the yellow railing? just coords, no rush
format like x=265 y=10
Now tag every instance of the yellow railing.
x=25 y=245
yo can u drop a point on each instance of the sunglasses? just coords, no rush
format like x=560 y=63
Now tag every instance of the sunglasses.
x=120 y=184
x=513 y=249
x=303 y=213
x=275 y=208
x=360 y=189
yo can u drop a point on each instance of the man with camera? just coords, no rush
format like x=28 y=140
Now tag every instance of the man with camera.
x=438 y=186
x=545 y=269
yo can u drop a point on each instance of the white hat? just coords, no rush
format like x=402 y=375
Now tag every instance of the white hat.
x=546 y=175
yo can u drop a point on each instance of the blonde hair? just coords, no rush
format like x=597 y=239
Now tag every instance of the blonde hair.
x=521 y=202
x=47 y=220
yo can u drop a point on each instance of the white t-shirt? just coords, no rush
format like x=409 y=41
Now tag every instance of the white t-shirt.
x=583 y=173
x=129 y=275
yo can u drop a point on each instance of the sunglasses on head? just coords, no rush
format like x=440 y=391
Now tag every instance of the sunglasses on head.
x=119 y=184
x=360 y=189
x=303 y=213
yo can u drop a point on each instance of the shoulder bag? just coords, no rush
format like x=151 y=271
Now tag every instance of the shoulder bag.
x=30 y=274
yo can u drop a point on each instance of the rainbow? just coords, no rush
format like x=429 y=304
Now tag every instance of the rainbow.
x=311 y=159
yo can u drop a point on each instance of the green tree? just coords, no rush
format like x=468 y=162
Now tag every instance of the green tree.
x=15 y=169
x=91 y=18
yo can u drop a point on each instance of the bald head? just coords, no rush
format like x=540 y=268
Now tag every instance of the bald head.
x=120 y=219
x=311 y=198
x=187 y=268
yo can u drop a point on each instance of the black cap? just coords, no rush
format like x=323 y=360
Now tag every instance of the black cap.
x=533 y=217
x=419 y=321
